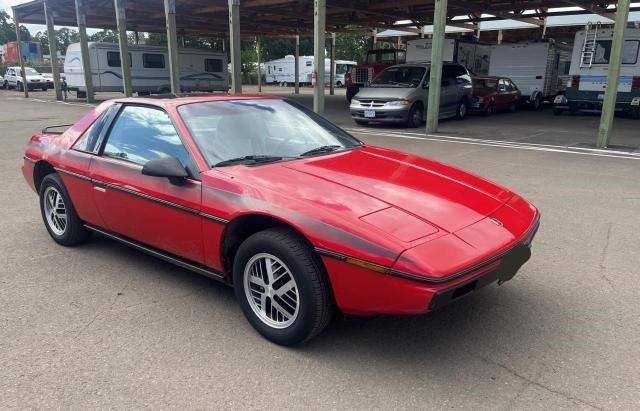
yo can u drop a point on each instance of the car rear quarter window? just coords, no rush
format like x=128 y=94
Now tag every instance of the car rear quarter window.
x=92 y=137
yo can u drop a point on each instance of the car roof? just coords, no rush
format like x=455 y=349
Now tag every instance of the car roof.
x=174 y=100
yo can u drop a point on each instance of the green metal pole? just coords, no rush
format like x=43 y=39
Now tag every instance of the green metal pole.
x=81 y=18
x=297 y=66
x=172 y=44
x=615 y=60
x=19 y=41
x=319 y=19
x=332 y=76
x=435 y=72
x=125 y=63
x=234 y=45
x=53 y=51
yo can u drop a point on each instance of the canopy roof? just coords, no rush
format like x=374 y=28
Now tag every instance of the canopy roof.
x=282 y=17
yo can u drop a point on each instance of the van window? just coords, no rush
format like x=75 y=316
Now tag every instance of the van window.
x=629 y=52
x=153 y=60
x=113 y=59
x=213 y=65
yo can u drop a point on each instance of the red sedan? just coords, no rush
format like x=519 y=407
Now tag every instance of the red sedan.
x=492 y=94
x=297 y=215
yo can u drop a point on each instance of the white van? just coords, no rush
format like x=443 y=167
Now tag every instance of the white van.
x=200 y=70
x=588 y=73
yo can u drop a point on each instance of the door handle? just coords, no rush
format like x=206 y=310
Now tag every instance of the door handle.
x=100 y=189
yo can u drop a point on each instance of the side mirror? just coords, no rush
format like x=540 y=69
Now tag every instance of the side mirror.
x=168 y=167
x=425 y=85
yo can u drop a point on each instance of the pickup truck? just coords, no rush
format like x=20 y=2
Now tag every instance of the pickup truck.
x=13 y=79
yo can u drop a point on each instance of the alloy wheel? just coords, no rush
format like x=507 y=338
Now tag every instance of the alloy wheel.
x=271 y=290
x=55 y=211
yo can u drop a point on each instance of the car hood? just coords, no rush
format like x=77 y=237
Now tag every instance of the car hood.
x=390 y=93
x=35 y=78
x=369 y=179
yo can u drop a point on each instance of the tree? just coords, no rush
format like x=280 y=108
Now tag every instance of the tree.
x=351 y=46
x=104 y=36
x=8 y=29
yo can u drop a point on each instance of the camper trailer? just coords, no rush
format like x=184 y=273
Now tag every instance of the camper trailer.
x=282 y=71
x=589 y=68
x=200 y=70
x=533 y=67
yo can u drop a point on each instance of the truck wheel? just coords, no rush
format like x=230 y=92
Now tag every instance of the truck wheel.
x=20 y=86
x=461 y=111
x=537 y=103
x=416 y=114
x=5 y=84
x=282 y=287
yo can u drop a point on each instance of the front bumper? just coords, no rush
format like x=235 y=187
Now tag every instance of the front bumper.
x=383 y=115
x=562 y=103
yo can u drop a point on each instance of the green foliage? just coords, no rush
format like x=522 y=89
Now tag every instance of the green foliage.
x=104 y=36
x=8 y=29
x=352 y=46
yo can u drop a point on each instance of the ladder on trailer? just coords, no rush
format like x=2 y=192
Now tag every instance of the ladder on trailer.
x=589 y=46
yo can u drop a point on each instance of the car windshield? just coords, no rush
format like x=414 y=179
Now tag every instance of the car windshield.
x=260 y=130
x=31 y=71
x=485 y=84
x=399 y=77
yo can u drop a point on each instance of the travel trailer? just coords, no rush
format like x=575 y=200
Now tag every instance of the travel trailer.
x=474 y=56
x=588 y=73
x=200 y=70
x=533 y=67
x=282 y=71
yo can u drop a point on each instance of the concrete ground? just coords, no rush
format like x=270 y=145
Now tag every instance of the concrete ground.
x=103 y=326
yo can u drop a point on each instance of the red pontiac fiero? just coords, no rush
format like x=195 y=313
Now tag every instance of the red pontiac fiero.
x=297 y=215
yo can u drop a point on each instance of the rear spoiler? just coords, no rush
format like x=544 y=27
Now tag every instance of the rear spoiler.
x=47 y=130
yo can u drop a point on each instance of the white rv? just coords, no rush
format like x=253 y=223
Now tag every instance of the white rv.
x=200 y=70
x=282 y=71
x=589 y=68
x=533 y=67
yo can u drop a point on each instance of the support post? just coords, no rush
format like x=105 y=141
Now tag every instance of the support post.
x=258 y=62
x=374 y=39
x=136 y=37
x=615 y=60
x=81 y=18
x=499 y=36
x=399 y=42
x=319 y=19
x=234 y=45
x=297 y=66
x=332 y=76
x=125 y=63
x=435 y=72
x=172 y=44
x=53 y=51
x=19 y=41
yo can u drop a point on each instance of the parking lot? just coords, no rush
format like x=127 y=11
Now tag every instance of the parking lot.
x=104 y=326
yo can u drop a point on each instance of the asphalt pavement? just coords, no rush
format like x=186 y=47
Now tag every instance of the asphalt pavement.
x=104 y=326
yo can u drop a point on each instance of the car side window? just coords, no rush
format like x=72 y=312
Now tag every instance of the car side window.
x=141 y=133
x=502 y=85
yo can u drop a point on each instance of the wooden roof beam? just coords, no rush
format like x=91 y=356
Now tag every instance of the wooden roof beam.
x=516 y=17
x=592 y=8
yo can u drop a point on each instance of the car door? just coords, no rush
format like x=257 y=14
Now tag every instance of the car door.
x=149 y=210
x=11 y=77
x=448 y=96
x=503 y=98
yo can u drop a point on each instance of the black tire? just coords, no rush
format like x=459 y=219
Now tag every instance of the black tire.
x=513 y=107
x=20 y=86
x=635 y=113
x=489 y=110
x=339 y=84
x=5 y=85
x=315 y=300
x=557 y=112
x=537 y=103
x=361 y=122
x=416 y=116
x=81 y=94
x=45 y=88
x=74 y=232
x=462 y=110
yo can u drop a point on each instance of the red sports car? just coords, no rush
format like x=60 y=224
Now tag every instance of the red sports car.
x=297 y=215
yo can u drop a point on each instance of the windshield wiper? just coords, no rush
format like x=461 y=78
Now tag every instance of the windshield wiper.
x=251 y=159
x=321 y=149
